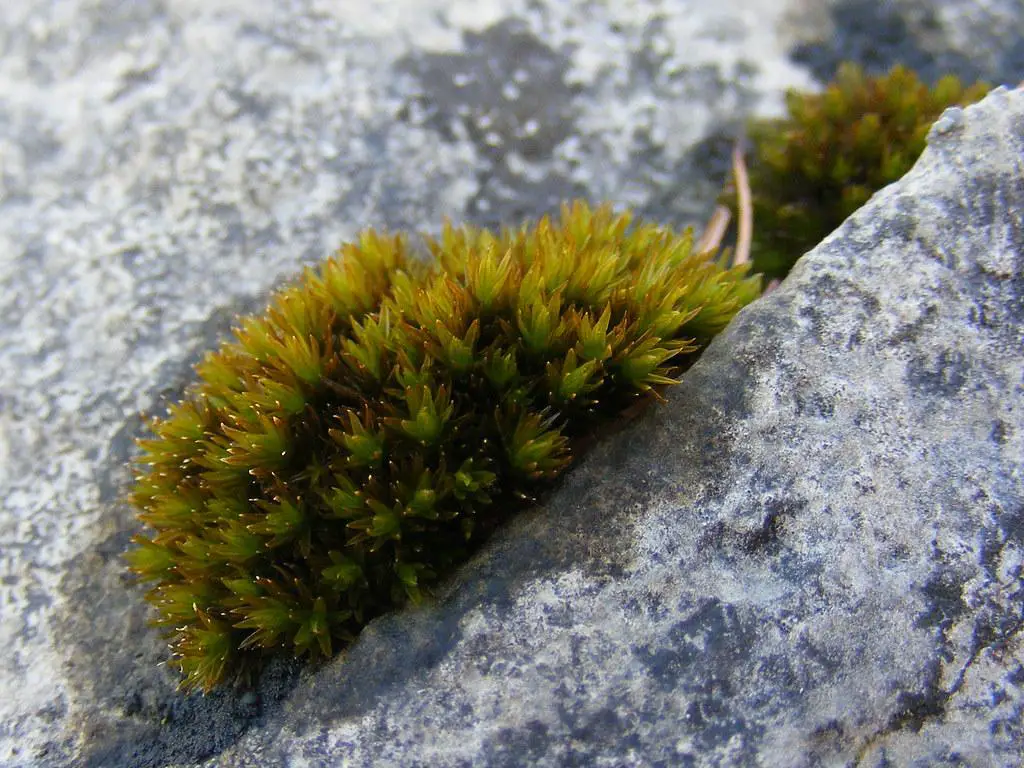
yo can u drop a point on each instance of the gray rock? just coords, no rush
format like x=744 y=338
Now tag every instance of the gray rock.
x=812 y=553
x=972 y=39
x=163 y=165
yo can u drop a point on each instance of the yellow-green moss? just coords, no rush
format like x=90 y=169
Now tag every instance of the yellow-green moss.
x=835 y=149
x=366 y=433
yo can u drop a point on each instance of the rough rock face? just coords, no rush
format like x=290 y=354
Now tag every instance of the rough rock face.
x=811 y=555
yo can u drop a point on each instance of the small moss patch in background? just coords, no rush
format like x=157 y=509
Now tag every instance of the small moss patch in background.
x=812 y=169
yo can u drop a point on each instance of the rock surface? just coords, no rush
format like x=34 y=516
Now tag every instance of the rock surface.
x=812 y=554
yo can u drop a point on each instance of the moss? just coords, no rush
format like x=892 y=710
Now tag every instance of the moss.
x=363 y=436
x=813 y=168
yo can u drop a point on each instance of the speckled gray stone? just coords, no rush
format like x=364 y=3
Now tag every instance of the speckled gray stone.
x=811 y=555
x=164 y=164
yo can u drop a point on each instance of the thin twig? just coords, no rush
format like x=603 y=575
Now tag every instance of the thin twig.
x=746 y=211
x=711 y=240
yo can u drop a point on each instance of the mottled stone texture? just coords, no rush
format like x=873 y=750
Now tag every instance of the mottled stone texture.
x=972 y=39
x=811 y=555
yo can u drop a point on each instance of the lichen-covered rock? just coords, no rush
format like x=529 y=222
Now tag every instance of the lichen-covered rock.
x=971 y=39
x=165 y=164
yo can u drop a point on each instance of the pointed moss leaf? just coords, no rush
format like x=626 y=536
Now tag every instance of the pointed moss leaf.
x=409 y=575
x=283 y=521
x=150 y=560
x=203 y=652
x=569 y=379
x=239 y=543
x=243 y=587
x=313 y=633
x=183 y=603
x=302 y=357
x=173 y=512
x=264 y=444
x=593 y=336
x=345 y=500
x=269 y=617
x=537 y=319
x=406 y=574
x=643 y=367
x=458 y=350
x=365 y=446
x=501 y=369
x=344 y=572
x=423 y=503
x=488 y=276
x=534 y=448
x=429 y=413
x=472 y=481
x=386 y=522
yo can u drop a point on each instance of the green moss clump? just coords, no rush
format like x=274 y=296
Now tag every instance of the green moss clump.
x=835 y=149
x=363 y=436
